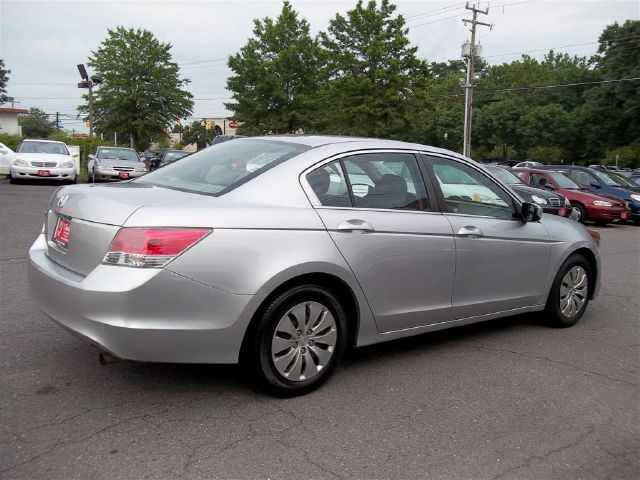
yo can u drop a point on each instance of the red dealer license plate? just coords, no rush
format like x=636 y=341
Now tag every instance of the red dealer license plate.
x=123 y=174
x=62 y=232
x=625 y=215
x=44 y=173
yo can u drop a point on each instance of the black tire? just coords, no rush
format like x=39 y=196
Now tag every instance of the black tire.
x=553 y=313
x=13 y=180
x=258 y=355
x=582 y=210
x=601 y=223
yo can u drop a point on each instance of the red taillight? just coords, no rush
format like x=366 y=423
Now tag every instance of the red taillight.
x=562 y=212
x=151 y=247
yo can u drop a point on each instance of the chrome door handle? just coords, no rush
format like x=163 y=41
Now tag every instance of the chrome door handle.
x=355 y=225
x=471 y=232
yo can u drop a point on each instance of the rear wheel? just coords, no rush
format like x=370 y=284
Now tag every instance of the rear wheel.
x=569 y=295
x=581 y=211
x=298 y=342
x=13 y=180
x=602 y=223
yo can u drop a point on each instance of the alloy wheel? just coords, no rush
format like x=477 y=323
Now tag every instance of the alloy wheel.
x=304 y=341
x=573 y=291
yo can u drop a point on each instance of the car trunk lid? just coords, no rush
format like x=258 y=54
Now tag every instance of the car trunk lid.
x=94 y=214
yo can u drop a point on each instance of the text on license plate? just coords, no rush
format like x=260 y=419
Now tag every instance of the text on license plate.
x=123 y=175
x=44 y=173
x=62 y=232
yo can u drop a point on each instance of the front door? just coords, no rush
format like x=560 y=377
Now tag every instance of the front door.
x=377 y=211
x=501 y=261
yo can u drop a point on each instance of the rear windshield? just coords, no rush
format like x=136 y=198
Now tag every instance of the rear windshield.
x=43 y=147
x=507 y=177
x=171 y=156
x=117 y=154
x=223 y=167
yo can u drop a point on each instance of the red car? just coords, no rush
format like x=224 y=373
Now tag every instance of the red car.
x=600 y=209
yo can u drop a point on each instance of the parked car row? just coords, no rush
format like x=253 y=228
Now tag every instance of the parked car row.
x=595 y=194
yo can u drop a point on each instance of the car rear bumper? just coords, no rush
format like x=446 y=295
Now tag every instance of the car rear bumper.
x=34 y=173
x=142 y=314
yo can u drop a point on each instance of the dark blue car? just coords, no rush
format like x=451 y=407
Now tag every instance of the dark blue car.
x=601 y=182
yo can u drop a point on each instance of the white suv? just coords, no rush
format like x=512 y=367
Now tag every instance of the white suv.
x=43 y=160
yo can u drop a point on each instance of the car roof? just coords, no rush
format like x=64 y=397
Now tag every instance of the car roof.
x=315 y=141
x=116 y=148
x=40 y=140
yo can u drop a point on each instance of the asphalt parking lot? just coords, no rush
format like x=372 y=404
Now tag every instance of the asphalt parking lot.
x=507 y=399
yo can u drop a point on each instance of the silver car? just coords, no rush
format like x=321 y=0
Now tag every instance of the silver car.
x=115 y=164
x=262 y=250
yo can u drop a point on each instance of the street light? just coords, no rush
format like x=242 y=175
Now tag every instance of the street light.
x=88 y=82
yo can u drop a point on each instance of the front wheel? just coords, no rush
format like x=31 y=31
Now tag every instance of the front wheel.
x=570 y=292
x=581 y=211
x=298 y=342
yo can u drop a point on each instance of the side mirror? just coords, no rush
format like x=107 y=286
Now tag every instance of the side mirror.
x=550 y=186
x=91 y=157
x=531 y=212
x=595 y=185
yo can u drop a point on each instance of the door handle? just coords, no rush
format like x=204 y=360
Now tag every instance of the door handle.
x=471 y=232
x=355 y=225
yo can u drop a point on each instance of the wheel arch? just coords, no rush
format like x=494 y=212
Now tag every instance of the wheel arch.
x=335 y=284
x=593 y=263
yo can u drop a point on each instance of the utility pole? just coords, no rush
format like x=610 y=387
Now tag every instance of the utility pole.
x=58 y=121
x=471 y=56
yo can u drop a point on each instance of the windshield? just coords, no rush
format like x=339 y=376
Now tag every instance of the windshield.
x=172 y=156
x=611 y=179
x=117 y=154
x=563 y=181
x=222 y=167
x=54 y=148
x=505 y=176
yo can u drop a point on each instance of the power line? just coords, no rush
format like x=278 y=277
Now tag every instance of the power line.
x=541 y=87
x=556 y=47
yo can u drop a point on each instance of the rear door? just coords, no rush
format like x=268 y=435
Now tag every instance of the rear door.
x=501 y=261
x=377 y=210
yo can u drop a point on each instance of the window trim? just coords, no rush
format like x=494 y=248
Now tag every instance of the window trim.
x=315 y=202
x=424 y=157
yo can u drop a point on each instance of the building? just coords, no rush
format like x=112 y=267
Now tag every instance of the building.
x=9 y=120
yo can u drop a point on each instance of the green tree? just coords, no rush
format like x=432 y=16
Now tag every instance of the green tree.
x=372 y=73
x=196 y=131
x=4 y=79
x=274 y=75
x=611 y=114
x=35 y=124
x=142 y=93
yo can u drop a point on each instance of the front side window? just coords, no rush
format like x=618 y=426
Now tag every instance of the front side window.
x=469 y=192
x=220 y=168
x=583 y=178
x=563 y=181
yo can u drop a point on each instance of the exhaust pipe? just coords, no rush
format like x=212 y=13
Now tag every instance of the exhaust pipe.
x=107 y=359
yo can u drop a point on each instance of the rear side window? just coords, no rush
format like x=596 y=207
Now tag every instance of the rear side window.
x=221 y=168
x=371 y=180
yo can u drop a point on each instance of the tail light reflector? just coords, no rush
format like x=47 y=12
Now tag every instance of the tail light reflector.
x=151 y=247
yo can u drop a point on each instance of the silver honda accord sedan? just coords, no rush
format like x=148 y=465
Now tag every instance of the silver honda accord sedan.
x=282 y=252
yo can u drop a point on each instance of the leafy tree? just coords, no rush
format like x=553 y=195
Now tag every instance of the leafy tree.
x=611 y=113
x=275 y=74
x=4 y=78
x=371 y=73
x=195 y=132
x=35 y=124
x=142 y=93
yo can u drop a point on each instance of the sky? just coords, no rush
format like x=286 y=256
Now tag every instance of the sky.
x=42 y=41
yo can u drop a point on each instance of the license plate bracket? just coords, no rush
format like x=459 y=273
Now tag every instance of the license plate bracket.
x=123 y=175
x=44 y=173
